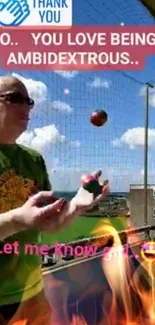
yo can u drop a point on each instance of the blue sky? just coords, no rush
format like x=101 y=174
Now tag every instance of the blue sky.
x=116 y=148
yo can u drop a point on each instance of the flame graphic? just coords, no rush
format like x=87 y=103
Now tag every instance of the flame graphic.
x=20 y=322
x=78 y=320
x=128 y=297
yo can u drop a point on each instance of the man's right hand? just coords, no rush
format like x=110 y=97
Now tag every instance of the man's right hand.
x=50 y=217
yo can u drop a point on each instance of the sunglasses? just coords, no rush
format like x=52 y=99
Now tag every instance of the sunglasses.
x=17 y=98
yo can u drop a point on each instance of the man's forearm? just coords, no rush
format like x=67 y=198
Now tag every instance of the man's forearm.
x=8 y=225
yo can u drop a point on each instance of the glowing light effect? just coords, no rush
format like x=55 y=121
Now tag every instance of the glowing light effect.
x=66 y=91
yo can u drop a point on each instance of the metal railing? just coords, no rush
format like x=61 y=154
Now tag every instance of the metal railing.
x=101 y=243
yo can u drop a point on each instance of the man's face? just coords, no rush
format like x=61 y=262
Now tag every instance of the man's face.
x=15 y=106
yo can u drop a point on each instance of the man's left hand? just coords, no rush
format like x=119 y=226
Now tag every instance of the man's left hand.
x=104 y=191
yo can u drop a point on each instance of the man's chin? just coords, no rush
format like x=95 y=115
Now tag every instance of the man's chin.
x=20 y=130
x=23 y=124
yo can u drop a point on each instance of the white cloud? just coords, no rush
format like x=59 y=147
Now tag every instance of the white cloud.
x=39 y=92
x=42 y=138
x=37 y=89
x=150 y=173
x=66 y=74
x=75 y=144
x=135 y=138
x=61 y=106
x=142 y=92
x=99 y=83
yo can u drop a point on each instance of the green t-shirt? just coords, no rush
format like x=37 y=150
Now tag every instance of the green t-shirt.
x=22 y=173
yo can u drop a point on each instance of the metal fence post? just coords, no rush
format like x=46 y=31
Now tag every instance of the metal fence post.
x=146 y=126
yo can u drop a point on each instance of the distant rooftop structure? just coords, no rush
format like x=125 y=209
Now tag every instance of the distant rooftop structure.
x=137 y=205
x=141 y=186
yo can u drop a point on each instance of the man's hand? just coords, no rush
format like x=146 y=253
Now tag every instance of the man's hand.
x=49 y=217
x=81 y=206
x=58 y=215
x=84 y=200
x=52 y=217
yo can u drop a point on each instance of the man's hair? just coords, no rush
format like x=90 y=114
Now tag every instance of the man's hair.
x=10 y=82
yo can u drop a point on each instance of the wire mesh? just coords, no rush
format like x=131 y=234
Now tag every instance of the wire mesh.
x=60 y=124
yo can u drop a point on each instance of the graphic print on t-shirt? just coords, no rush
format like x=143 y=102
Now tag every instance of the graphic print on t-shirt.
x=14 y=190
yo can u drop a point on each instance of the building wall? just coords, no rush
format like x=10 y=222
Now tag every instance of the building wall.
x=137 y=207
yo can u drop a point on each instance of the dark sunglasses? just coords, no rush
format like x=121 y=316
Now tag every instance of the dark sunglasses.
x=17 y=98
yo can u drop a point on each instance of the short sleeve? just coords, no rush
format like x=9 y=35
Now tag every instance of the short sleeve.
x=46 y=185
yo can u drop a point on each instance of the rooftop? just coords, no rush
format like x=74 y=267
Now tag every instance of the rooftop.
x=141 y=186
